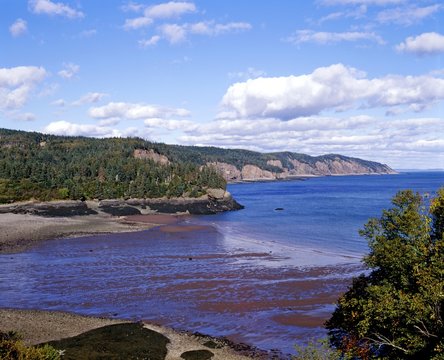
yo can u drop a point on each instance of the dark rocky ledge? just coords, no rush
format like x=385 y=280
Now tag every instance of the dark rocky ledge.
x=217 y=200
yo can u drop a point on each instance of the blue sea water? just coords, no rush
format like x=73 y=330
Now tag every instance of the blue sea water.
x=263 y=276
x=323 y=214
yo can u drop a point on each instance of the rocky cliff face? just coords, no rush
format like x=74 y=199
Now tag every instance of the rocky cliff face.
x=321 y=166
x=151 y=155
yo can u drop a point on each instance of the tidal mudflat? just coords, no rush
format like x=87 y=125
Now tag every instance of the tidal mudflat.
x=181 y=275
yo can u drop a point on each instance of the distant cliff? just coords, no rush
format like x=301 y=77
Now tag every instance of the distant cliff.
x=297 y=165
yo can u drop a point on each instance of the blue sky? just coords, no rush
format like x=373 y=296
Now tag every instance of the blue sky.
x=363 y=78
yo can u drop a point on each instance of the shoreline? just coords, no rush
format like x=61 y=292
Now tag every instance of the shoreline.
x=23 y=231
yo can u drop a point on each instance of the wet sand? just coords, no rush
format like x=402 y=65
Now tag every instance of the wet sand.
x=20 y=232
x=189 y=280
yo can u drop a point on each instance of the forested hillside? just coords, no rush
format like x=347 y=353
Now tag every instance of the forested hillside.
x=35 y=165
x=44 y=167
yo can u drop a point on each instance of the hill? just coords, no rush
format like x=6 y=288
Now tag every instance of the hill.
x=46 y=167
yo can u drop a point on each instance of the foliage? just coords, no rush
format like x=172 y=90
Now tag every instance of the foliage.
x=46 y=167
x=318 y=350
x=13 y=348
x=396 y=311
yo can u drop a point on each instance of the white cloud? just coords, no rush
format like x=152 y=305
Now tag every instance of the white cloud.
x=137 y=23
x=74 y=129
x=169 y=10
x=59 y=102
x=250 y=73
x=176 y=33
x=17 y=83
x=407 y=15
x=69 y=70
x=335 y=87
x=89 y=98
x=417 y=139
x=132 y=7
x=362 y=2
x=18 y=28
x=170 y=124
x=26 y=117
x=132 y=111
x=304 y=36
x=357 y=13
x=153 y=40
x=425 y=44
x=173 y=33
x=53 y=8
x=88 y=33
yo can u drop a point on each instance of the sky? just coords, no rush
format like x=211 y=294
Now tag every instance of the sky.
x=362 y=78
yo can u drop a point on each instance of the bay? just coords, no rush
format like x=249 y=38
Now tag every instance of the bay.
x=263 y=276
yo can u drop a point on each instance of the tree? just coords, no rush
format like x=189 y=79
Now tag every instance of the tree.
x=396 y=310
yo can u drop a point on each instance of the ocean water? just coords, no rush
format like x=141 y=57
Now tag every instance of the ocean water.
x=324 y=214
x=263 y=276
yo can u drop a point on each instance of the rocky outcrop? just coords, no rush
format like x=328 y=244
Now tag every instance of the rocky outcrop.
x=151 y=155
x=205 y=205
x=228 y=171
x=276 y=163
x=254 y=173
x=217 y=200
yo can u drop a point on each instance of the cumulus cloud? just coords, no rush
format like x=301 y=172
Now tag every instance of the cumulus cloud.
x=430 y=43
x=171 y=124
x=17 y=83
x=59 y=102
x=18 y=28
x=49 y=7
x=132 y=111
x=407 y=15
x=153 y=40
x=137 y=23
x=335 y=87
x=89 y=98
x=360 y=136
x=73 y=129
x=167 y=10
x=176 y=33
x=69 y=70
x=321 y=37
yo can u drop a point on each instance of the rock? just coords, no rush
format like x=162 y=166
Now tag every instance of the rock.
x=197 y=355
x=228 y=171
x=276 y=163
x=216 y=193
x=151 y=155
x=254 y=173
